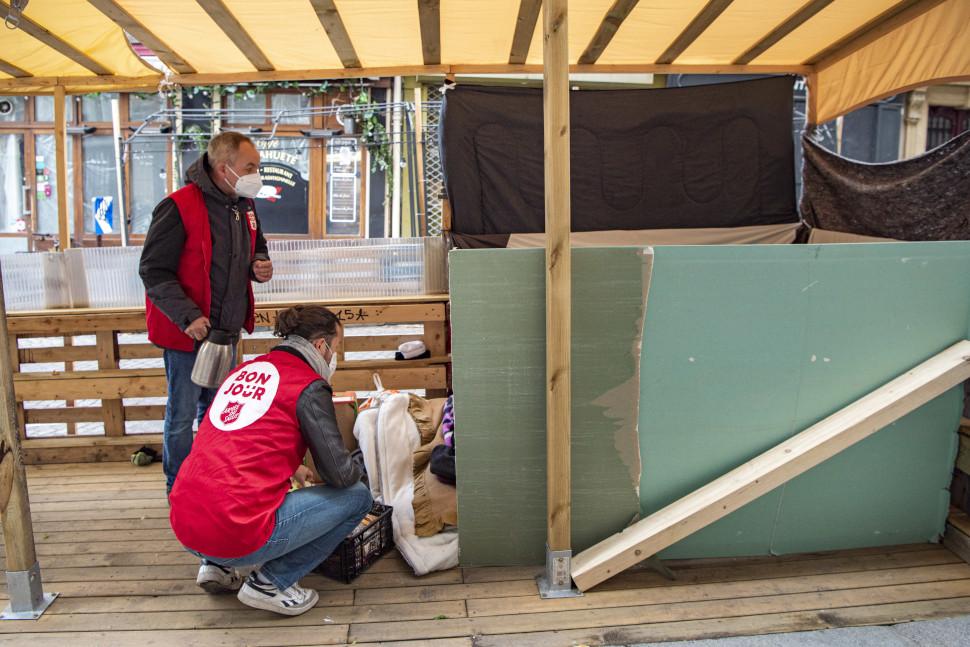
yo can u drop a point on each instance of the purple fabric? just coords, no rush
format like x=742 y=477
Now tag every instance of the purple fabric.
x=448 y=422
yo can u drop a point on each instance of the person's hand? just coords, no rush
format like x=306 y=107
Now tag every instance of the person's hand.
x=303 y=476
x=198 y=329
x=263 y=270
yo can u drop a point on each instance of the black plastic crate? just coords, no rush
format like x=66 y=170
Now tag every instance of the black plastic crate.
x=365 y=546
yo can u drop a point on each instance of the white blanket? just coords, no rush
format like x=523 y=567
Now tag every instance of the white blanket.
x=388 y=438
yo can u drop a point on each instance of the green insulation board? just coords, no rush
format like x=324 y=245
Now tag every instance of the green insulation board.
x=743 y=346
x=498 y=355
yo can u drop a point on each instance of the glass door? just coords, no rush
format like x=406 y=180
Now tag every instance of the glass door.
x=14 y=203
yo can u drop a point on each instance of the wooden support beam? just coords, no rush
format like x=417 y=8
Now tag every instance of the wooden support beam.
x=13 y=70
x=694 y=29
x=555 y=97
x=774 y=467
x=789 y=25
x=525 y=26
x=112 y=409
x=18 y=531
x=888 y=21
x=130 y=24
x=43 y=35
x=607 y=29
x=228 y=23
x=429 y=12
x=60 y=161
x=334 y=26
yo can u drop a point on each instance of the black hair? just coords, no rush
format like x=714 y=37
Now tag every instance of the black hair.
x=310 y=322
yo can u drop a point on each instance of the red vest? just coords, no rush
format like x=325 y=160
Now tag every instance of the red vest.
x=248 y=446
x=193 y=271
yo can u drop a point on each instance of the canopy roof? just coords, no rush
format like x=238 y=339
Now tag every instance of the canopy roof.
x=852 y=51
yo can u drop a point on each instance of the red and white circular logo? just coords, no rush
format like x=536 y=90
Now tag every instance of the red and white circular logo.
x=245 y=396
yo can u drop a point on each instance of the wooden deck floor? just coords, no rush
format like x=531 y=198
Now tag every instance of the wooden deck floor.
x=104 y=544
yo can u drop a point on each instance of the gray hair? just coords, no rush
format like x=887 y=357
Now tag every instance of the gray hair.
x=224 y=146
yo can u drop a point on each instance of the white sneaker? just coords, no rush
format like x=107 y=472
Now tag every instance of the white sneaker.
x=218 y=579
x=258 y=593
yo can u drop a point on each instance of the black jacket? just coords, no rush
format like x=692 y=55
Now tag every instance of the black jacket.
x=231 y=263
x=318 y=426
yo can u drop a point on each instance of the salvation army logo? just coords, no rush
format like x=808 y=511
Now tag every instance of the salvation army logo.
x=245 y=396
x=231 y=412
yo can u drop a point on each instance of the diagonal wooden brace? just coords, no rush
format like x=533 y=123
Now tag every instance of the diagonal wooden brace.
x=774 y=467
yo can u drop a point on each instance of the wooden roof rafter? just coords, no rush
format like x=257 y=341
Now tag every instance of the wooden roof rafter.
x=14 y=71
x=604 y=34
x=429 y=13
x=889 y=20
x=30 y=27
x=231 y=26
x=117 y=14
x=333 y=24
x=789 y=25
x=693 y=30
x=525 y=26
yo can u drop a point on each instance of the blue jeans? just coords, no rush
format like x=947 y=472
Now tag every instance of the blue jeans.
x=310 y=524
x=187 y=403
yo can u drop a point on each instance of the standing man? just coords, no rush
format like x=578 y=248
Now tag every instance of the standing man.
x=203 y=248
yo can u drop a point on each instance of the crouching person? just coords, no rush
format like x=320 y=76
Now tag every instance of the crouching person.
x=232 y=505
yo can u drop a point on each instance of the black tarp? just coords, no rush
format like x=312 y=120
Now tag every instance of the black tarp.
x=923 y=198
x=706 y=156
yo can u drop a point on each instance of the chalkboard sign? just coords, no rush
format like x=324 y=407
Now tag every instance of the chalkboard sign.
x=283 y=202
x=343 y=186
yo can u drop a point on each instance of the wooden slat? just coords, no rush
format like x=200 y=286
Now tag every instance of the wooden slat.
x=9 y=68
x=525 y=26
x=228 y=23
x=54 y=42
x=739 y=625
x=429 y=14
x=694 y=29
x=607 y=29
x=79 y=385
x=957 y=541
x=894 y=17
x=323 y=634
x=774 y=467
x=334 y=26
x=789 y=25
x=91 y=414
x=45 y=354
x=130 y=24
x=157 y=604
x=639 y=614
x=91 y=449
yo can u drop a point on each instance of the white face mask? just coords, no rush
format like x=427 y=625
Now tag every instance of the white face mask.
x=331 y=367
x=247 y=186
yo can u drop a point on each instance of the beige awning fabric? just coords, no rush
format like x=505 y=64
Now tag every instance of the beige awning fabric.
x=758 y=235
x=852 y=51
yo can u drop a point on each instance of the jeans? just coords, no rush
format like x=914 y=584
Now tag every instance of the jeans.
x=187 y=403
x=310 y=523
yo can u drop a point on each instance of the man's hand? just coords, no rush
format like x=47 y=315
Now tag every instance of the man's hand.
x=263 y=270
x=198 y=329
x=303 y=476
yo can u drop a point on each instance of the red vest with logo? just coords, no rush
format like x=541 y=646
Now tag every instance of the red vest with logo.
x=193 y=271
x=248 y=446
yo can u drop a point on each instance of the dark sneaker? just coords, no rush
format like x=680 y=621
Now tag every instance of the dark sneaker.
x=218 y=579
x=259 y=593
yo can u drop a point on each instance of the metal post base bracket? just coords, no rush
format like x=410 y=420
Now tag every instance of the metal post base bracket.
x=27 y=598
x=556 y=582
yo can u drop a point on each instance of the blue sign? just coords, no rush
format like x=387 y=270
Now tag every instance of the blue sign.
x=104 y=214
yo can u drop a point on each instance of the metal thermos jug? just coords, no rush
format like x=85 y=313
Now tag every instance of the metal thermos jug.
x=214 y=359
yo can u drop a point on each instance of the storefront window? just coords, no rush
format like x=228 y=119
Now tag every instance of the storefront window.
x=140 y=107
x=44 y=108
x=343 y=186
x=100 y=180
x=13 y=108
x=283 y=204
x=149 y=177
x=47 y=184
x=12 y=205
x=293 y=103
x=246 y=110
x=97 y=107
